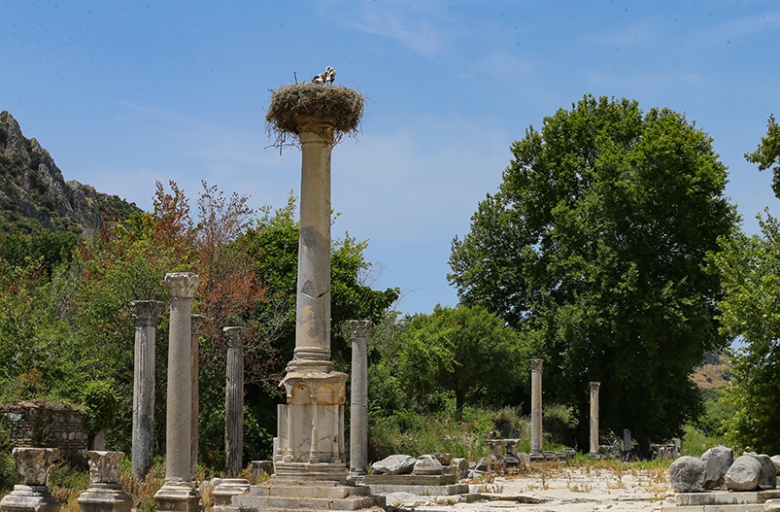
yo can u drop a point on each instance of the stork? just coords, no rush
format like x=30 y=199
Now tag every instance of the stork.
x=330 y=75
x=319 y=79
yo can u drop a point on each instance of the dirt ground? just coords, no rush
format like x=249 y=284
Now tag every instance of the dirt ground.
x=558 y=490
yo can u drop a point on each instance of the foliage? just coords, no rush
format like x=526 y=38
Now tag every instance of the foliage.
x=594 y=248
x=100 y=401
x=767 y=155
x=751 y=284
x=465 y=353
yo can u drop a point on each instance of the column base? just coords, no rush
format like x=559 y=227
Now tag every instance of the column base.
x=101 y=497
x=224 y=492
x=177 y=497
x=30 y=498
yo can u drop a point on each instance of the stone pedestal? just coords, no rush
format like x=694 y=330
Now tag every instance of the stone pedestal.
x=146 y=313
x=229 y=487
x=179 y=493
x=536 y=408
x=104 y=494
x=234 y=401
x=33 y=464
x=358 y=419
x=594 y=419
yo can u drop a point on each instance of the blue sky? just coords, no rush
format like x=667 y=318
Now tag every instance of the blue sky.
x=124 y=94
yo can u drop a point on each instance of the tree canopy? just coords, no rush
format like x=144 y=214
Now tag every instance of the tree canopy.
x=767 y=154
x=594 y=247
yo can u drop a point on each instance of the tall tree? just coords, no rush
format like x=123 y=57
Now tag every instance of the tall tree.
x=465 y=353
x=594 y=246
x=751 y=309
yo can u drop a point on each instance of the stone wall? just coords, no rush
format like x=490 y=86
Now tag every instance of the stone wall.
x=48 y=424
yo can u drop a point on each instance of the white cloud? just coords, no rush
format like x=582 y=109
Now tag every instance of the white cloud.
x=391 y=20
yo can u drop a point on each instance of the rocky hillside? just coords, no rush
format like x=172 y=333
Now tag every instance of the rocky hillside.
x=716 y=371
x=34 y=194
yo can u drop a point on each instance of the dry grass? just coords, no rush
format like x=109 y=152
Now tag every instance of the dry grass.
x=313 y=107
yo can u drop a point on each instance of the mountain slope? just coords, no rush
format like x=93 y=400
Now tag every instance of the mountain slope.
x=34 y=194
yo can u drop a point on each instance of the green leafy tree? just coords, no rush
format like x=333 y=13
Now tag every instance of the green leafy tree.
x=767 y=155
x=750 y=307
x=466 y=353
x=594 y=247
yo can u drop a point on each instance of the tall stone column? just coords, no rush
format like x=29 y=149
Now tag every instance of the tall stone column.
x=594 y=419
x=536 y=408
x=195 y=327
x=234 y=401
x=358 y=419
x=178 y=492
x=312 y=328
x=146 y=313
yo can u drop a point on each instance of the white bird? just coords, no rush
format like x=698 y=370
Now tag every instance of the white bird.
x=319 y=79
x=330 y=75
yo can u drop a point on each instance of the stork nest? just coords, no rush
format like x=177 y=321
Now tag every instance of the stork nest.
x=313 y=107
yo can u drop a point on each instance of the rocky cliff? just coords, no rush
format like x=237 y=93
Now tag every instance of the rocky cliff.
x=34 y=194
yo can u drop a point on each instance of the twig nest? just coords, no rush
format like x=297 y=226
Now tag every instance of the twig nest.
x=316 y=108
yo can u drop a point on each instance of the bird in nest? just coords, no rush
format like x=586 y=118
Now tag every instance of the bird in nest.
x=325 y=78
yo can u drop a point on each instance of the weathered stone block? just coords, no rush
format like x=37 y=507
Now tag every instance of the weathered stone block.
x=717 y=461
x=687 y=474
x=744 y=474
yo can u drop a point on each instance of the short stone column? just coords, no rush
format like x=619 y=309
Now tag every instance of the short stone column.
x=536 y=408
x=358 y=419
x=146 y=313
x=594 y=419
x=33 y=464
x=178 y=492
x=234 y=401
x=195 y=326
x=104 y=493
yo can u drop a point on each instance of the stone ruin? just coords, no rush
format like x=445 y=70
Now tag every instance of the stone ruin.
x=720 y=482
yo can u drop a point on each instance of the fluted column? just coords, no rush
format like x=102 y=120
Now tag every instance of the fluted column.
x=178 y=492
x=146 y=314
x=195 y=327
x=358 y=421
x=234 y=401
x=536 y=407
x=594 y=419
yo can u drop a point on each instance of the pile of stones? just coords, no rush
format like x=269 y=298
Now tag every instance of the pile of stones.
x=717 y=469
x=425 y=465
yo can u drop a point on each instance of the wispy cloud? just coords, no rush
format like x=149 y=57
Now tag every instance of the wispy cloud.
x=411 y=26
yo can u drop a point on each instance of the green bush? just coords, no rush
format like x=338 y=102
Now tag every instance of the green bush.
x=100 y=401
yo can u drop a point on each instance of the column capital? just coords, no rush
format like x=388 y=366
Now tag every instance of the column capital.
x=594 y=386
x=359 y=328
x=234 y=336
x=183 y=284
x=536 y=365
x=146 y=312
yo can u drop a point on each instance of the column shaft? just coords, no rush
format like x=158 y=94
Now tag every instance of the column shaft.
x=358 y=424
x=234 y=402
x=195 y=327
x=312 y=332
x=594 y=418
x=536 y=406
x=146 y=314
x=179 y=396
